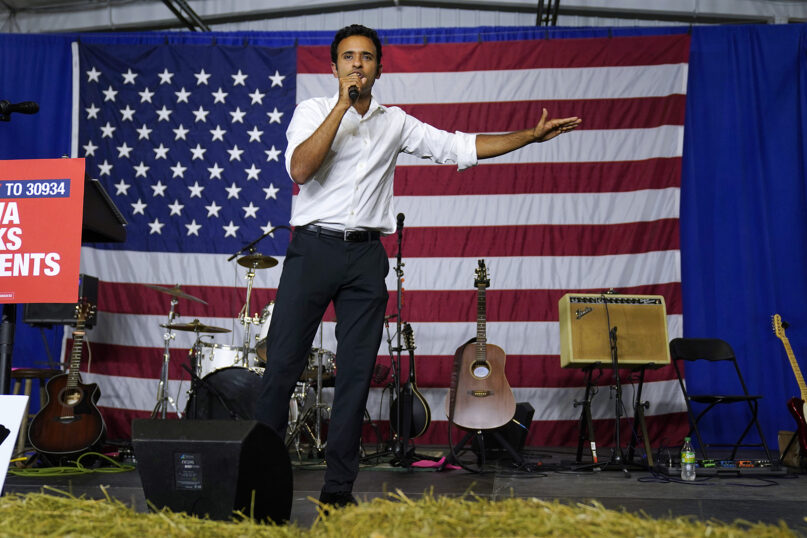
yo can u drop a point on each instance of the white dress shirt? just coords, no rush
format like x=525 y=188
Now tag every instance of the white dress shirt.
x=353 y=187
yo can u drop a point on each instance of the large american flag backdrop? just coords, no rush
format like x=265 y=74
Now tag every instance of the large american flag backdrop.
x=188 y=140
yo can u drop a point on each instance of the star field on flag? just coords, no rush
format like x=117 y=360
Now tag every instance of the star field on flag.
x=188 y=141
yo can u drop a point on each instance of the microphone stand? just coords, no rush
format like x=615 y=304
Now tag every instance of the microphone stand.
x=399 y=449
x=252 y=244
x=617 y=457
x=616 y=454
x=7 y=324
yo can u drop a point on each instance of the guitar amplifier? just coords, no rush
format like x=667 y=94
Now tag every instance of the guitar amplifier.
x=641 y=330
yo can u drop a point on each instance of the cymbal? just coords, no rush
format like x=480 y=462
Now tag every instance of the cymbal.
x=257 y=261
x=195 y=326
x=175 y=292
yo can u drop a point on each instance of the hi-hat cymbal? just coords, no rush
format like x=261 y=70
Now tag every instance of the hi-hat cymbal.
x=195 y=326
x=175 y=292
x=257 y=261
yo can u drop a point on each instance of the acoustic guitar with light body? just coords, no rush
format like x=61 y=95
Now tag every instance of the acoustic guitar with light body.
x=483 y=398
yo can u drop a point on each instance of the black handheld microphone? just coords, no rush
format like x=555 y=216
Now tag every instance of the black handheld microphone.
x=400 y=221
x=353 y=93
x=26 y=107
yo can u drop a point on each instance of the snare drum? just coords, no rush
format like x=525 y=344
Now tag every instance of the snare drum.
x=214 y=357
x=266 y=319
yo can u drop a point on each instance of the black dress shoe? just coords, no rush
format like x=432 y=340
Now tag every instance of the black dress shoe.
x=337 y=499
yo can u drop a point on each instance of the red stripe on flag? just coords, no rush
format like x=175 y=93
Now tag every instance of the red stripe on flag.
x=504 y=55
x=419 y=305
x=124 y=298
x=513 y=115
x=537 y=240
x=509 y=305
x=134 y=361
x=526 y=178
x=434 y=371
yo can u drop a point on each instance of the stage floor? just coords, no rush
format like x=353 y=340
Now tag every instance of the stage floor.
x=749 y=495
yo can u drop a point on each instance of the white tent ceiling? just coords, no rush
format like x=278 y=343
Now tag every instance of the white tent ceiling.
x=37 y=16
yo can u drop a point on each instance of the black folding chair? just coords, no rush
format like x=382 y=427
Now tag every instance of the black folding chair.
x=719 y=353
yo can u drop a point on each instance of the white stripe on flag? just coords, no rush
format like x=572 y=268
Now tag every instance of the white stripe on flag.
x=429 y=274
x=169 y=268
x=590 y=146
x=545 y=272
x=134 y=393
x=74 y=104
x=534 y=209
x=619 y=82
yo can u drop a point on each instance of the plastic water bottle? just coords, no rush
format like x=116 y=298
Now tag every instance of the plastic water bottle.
x=687 y=460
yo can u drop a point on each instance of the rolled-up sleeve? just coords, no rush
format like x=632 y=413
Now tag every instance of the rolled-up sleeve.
x=466 y=150
x=423 y=140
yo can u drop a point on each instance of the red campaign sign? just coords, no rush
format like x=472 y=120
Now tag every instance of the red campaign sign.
x=41 y=206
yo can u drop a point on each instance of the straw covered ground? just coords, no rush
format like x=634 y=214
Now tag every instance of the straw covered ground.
x=60 y=514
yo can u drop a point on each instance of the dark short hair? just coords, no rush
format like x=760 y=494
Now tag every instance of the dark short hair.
x=356 y=29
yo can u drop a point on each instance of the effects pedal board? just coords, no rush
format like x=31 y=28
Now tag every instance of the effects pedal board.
x=728 y=468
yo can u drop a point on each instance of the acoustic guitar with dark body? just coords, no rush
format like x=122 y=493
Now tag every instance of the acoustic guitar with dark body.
x=70 y=423
x=421 y=414
x=483 y=400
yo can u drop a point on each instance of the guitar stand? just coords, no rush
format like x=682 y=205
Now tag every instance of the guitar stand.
x=586 y=425
x=518 y=460
x=638 y=418
x=801 y=457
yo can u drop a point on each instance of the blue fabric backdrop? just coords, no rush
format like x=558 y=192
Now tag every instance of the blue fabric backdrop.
x=743 y=214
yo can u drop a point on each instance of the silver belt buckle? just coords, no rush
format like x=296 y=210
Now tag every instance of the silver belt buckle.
x=347 y=234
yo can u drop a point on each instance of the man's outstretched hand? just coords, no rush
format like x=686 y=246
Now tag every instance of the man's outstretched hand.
x=549 y=129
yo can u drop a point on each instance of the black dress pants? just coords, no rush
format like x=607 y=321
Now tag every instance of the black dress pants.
x=317 y=270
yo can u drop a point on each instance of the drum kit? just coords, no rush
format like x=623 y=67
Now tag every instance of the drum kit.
x=226 y=379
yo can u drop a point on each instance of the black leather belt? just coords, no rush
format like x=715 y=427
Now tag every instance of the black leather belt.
x=351 y=236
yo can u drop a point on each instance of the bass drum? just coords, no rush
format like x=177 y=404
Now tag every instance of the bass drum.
x=228 y=393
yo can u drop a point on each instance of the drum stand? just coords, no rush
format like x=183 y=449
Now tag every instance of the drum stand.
x=302 y=424
x=163 y=399
x=246 y=320
x=176 y=293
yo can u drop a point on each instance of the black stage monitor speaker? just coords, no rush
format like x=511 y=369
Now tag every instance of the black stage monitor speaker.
x=514 y=435
x=214 y=467
x=48 y=314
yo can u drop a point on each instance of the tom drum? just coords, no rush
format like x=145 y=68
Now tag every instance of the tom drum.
x=213 y=357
